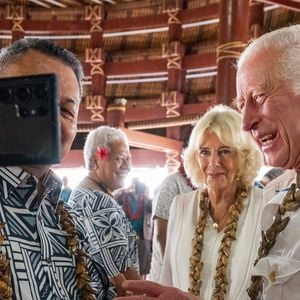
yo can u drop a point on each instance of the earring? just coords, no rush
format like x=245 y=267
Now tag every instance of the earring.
x=238 y=176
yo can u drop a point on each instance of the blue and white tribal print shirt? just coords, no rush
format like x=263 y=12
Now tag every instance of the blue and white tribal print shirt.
x=112 y=239
x=40 y=262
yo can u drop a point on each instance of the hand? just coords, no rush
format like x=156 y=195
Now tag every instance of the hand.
x=153 y=291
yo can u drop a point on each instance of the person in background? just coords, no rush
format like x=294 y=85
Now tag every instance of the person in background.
x=66 y=191
x=111 y=236
x=138 y=207
x=41 y=255
x=173 y=185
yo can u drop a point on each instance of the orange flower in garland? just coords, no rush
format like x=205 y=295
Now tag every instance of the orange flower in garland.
x=102 y=153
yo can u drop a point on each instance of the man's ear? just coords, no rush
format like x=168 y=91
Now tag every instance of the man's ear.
x=95 y=162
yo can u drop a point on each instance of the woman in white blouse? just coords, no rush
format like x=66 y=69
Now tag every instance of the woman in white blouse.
x=213 y=232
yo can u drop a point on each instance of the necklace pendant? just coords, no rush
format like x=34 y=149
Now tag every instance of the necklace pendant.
x=215 y=226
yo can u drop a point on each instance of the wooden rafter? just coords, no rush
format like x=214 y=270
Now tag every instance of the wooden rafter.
x=152 y=142
x=289 y=4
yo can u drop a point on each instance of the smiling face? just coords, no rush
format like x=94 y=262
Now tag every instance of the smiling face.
x=113 y=170
x=218 y=163
x=270 y=111
x=33 y=63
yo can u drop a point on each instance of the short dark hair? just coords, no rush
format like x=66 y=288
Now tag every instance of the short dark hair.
x=13 y=52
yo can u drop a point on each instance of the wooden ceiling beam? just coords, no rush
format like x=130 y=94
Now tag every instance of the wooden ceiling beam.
x=152 y=142
x=199 y=61
x=129 y=68
x=142 y=114
x=289 y=4
x=148 y=66
x=114 y=25
x=206 y=12
x=149 y=114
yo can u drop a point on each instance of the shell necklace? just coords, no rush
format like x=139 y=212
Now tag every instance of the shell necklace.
x=291 y=202
x=196 y=265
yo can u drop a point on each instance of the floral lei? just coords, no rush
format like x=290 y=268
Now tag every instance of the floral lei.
x=196 y=265
x=83 y=278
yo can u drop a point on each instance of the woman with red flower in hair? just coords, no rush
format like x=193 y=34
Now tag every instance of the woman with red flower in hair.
x=112 y=239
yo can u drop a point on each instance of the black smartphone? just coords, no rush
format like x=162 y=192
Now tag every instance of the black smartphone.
x=29 y=120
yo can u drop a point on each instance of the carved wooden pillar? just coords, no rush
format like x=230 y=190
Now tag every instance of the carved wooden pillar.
x=256 y=20
x=116 y=113
x=233 y=37
x=94 y=55
x=172 y=8
x=16 y=13
x=172 y=161
x=173 y=98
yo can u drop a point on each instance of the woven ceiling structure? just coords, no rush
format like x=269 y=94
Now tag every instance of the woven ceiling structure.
x=151 y=67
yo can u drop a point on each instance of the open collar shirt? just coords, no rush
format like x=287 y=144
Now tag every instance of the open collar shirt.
x=280 y=269
x=183 y=219
x=40 y=262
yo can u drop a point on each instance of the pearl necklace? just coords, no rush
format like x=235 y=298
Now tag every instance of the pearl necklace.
x=196 y=265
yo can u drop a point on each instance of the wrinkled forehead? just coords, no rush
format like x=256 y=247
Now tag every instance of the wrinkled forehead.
x=253 y=72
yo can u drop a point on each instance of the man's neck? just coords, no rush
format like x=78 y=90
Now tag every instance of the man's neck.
x=36 y=171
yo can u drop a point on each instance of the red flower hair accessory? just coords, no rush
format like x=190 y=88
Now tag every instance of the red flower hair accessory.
x=102 y=153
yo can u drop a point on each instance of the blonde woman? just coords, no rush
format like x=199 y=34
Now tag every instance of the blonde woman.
x=213 y=232
x=217 y=223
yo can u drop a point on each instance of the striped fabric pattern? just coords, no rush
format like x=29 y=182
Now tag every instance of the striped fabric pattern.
x=40 y=262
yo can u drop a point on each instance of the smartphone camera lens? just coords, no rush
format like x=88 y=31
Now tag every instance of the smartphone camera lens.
x=42 y=111
x=24 y=112
x=6 y=95
x=23 y=94
x=40 y=91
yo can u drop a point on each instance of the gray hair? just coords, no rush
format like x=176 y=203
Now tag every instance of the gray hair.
x=284 y=45
x=15 y=51
x=225 y=122
x=103 y=136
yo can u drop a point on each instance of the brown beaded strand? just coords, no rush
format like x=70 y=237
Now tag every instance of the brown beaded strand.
x=196 y=265
x=83 y=278
x=291 y=202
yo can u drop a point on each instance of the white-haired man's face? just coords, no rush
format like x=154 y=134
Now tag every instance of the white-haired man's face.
x=113 y=169
x=270 y=111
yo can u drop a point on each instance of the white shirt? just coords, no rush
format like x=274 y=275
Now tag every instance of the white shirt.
x=172 y=186
x=182 y=222
x=281 y=268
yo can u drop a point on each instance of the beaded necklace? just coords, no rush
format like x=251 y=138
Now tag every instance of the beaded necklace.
x=291 y=202
x=196 y=265
x=83 y=278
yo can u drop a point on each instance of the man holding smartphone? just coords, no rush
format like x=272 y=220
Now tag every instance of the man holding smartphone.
x=40 y=240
